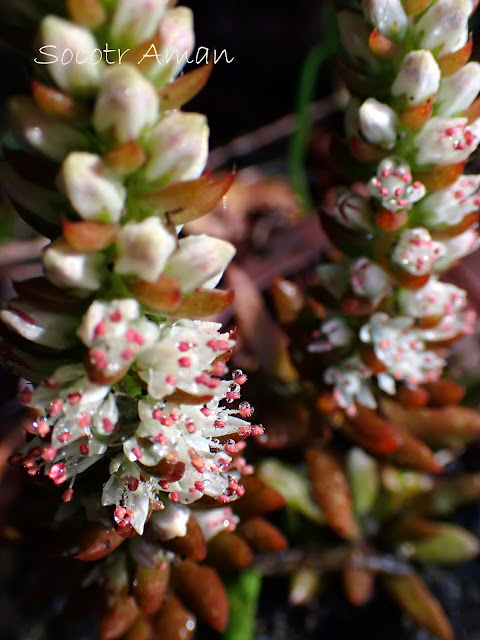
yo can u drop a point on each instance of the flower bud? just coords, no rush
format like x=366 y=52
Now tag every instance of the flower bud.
x=93 y=193
x=377 y=123
x=66 y=267
x=444 y=26
x=135 y=21
x=445 y=141
x=200 y=261
x=457 y=248
x=368 y=280
x=177 y=40
x=143 y=249
x=126 y=105
x=178 y=147
x=76 y=69
x=458 y=91
x=388 y=17
x=418 y=78
x=353 y=211
x=41 y=132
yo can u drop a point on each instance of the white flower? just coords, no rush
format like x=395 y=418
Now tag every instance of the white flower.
x=418 y=78
x=445 y=141
x=66 y=267
x=336 y=333
x=127 y=104
x=212 y=521
x=458 y=91
x=353 y=211
x=94 y=193
x=393 y=185
x=388 y=17
x=449 y=206
x=115 y=333
x=177 y=147
x=349 y=381
x=143 y=249
x=56 y=330
x=200 y=261
x=368 y=280
x=401 y=351
x=170 y=522
x=136 y=21
x=434 y=299
x=76 y=49
x=456 y=248
x=378 y=123
x=444 y=26
x=183 y=358
x=416 y=252
x=450 y=327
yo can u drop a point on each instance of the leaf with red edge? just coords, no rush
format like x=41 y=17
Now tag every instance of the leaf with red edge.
x=126 y=158
x=382 y=47
x=57 y=104
x=207 y=200
x=204 y=303
x=452 y=62
x=176 y=195
x=332 y=493
x=203 y=591
x=440 y=177
x=162 y=295
x=415 y=118
x=174 y=621
x=373 y=432
x=88 y=235
x=150 y=587
x=118 y=618
x=175 y=94
x=473 y=111
x=98 y=542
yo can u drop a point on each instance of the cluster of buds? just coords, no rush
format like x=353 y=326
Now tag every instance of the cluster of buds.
x=119 y=362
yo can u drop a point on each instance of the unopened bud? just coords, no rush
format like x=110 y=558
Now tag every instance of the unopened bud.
x=76 y=68
x=458 y=91
x=418 y=78
x=200 y=261
x=388 y=17
x=126 y=105
x=143 y=249
x=178 y=147
x=66 y=267
x=377 y=123
x=444 y=26
x=93 y=193
x=135 y=21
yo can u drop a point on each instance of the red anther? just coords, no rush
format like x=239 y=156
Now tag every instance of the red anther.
x=84 y=421
x=213 y=383
x=190 y=427
x=171 y=380
x=58 y=473
x=157 y=414
x=84 y=449
x=26 y=396
x=108 y=425
x=33 y=470
x=74 y=398
x=137 y=452
x=184 y=346
x=230 y=448
x=199 y=485
x=164 y=485
x=43 y=428
x=51 y=384
x=56 y=407
x=174 y=496
x=241 y=379
x=206 y=411
x=134 y=336
x=49 y=453
x=128 y=353
x=64 y=437
x=116 y=316
x=185 y=361
x=219 y=369
x=100 y=330
x=223 y=499
x=132 y=483
x=219 y=424
x=258 y=430
x=120 y=513
x=167 y=421
x=232 y=395
x=160 y=438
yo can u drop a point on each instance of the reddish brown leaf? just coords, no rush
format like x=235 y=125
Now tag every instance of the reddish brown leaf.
x=168 y=469
x=206 y=201
x=162 y=295
x=43 y=294
x=185 y=87
x=192 y=545
x=414 y=454
x=89 y=13
x=365 y=151
x=262 y=536
x=410 y=398
x=89 y=236
x=57 y=104
x=415 y=118
x=176 y=195
x=140 y=630
x=150 y=587
x=332 y=493
x=174 y=622
x=413 y=596
x=118 y=618
x=445 y=392
x=98 y=542
x=440 y=177
x=288 y=300
x=382 y=47
x=228 y=552
x=203 y=591
x=259 y=498
x=373 y=432
x=126 y=158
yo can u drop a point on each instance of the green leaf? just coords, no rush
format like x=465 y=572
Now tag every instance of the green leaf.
x=243 y=593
